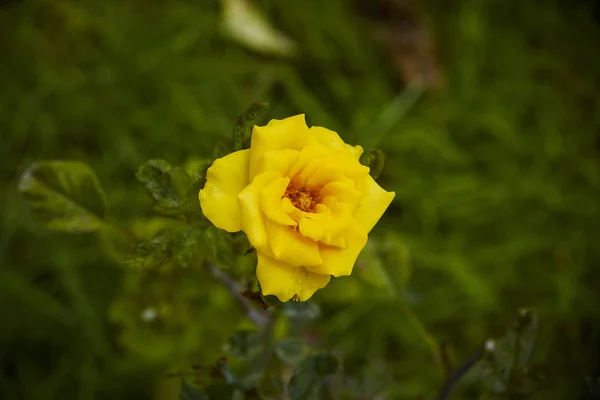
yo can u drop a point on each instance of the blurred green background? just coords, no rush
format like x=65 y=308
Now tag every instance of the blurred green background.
x=488 y=113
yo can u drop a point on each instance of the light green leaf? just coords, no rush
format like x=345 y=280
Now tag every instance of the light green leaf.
x=64 y=196
x=309 y=376
x=166 y=184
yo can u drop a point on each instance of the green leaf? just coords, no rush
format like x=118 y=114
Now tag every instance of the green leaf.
x=270 y=300
x=245 y=344
x=309 y=376
x=222 y=149
x=301 y=310
x=241 y=125
x=375 y=160
x=290 y=350
x=151 y=253
x=504 y=367
x=191 y=248
x=63 y=196
x=219 y=247
x=189 y=392
x=166 y=184
x=196 y=169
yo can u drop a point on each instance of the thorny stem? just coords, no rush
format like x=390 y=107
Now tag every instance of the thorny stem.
x=259 y=318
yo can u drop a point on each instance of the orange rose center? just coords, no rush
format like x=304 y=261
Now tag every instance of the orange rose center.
x=302 y=199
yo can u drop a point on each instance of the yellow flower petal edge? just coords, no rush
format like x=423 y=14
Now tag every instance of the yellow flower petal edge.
x=286 y=282
x=289 y=133
x=340 y=261
x=289 y=246
x=303 y=199
x=252 y=218
x=225 y=179
x=332 y=140
x=374 y=203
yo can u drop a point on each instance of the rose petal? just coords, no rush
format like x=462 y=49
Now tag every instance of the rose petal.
x=287 y=282
x=344 y=191
x=332 y=140
x=225 y=179
x=291 y=247
x=278 y=160
x=321 y=211
x=328 y=230
x=372 y=206
x=270 y=202
x=252 y=218
x=288 y=133
x=339 y=262
x=318 y=165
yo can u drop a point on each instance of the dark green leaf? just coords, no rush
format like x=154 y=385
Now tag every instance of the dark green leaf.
x=504 y=367
x=197 y=172
x=221 y=150
x=309 y=376
x=290 y=350
x=152 y=254
x=241 y=126
x=270 y=300
x=166 y=184
x=191 y=249
x=375 y=160
x=219 y=247
x=245 y=344
x=64 y=196
x=189 y=392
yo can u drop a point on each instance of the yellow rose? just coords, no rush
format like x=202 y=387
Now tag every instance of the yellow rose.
x=302 y=198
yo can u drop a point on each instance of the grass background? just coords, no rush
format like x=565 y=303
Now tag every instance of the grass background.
x=497 y=182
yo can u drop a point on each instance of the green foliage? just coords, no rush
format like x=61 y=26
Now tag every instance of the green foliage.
x=245 y=344
x=241 y=125
x=64 y=196
x=290 y=350
x=375 y=160
x=310 y=375
x=166 y=184
x=152 y=254
x=505 y=368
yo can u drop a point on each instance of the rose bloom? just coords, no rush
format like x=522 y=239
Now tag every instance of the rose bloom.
x=302 y=198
